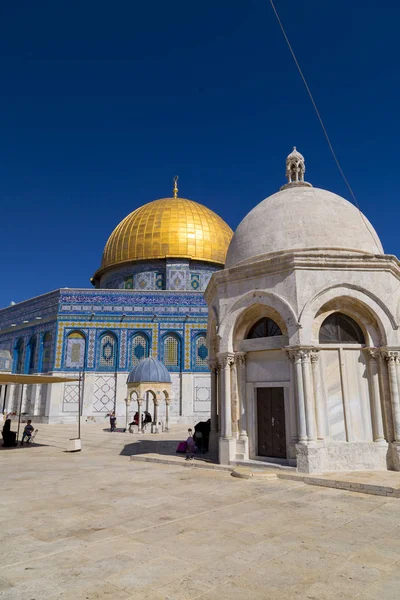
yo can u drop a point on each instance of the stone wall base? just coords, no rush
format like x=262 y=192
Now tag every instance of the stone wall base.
x=395 y=456
x=342 y=456
x=226 y=450
x=242 y=448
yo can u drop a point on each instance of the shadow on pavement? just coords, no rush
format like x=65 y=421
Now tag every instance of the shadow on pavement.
x=161 y=447
x=19 y=447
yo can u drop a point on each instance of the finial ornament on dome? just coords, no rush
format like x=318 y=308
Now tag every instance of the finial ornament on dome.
x=295 y=169
x=176 y=186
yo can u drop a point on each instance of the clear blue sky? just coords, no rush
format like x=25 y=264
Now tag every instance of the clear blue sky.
x=102 y=103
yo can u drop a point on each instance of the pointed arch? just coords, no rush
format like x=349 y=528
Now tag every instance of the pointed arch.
x=252 y=305
x=376 y=320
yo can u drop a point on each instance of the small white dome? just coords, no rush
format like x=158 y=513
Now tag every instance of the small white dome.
x=295 y=154
x=298 y=218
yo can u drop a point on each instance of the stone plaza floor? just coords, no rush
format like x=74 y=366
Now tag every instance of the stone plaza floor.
x=95 y=525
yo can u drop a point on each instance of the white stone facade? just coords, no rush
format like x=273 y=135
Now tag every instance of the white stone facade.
x=341 y=400
x=190 y=400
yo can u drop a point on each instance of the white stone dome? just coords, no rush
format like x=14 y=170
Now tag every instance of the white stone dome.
x=301 y=217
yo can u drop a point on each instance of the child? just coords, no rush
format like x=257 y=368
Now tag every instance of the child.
x=27 y=432
x=190 y=446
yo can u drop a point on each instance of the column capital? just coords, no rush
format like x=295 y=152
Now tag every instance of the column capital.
x=391 y=356
x=372 y=353
x=140 y=401
x=225 y=361
x=294 y=354
x=240 y=358
x=302 y=353
x=128 y=401
x=167 y=401
x=212 y=364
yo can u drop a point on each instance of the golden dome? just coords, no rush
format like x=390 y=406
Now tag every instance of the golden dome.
x=168 y=228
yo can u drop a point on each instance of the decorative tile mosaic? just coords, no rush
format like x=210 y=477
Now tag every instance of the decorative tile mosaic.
x=122 y=352
x=159 y=281
x=195 y=281
x=75 y=353
x=91 y=349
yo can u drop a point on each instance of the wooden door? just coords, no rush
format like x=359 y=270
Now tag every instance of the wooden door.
x=271 y=422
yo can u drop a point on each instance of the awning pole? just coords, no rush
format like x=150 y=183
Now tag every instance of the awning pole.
x=5 y=398
x=20 y=408
x=79 y=405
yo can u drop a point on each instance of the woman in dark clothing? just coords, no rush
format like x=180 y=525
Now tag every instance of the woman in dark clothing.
x=9 y=437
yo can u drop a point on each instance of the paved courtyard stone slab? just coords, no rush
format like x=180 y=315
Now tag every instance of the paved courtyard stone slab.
x=97 y=526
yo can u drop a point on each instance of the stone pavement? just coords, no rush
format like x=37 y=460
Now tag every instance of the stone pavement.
x=95 y=526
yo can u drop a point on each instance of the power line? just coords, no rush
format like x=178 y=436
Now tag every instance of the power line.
x=322 y=123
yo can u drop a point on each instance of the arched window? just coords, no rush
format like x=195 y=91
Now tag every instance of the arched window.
x=46 y=352
x=340 y=329
x=18 y=364
x=31 y=355
x=75 y=350
x=108 y=352
x=139 y=348
x=200 y=354
x=265 y=327
x=171 y=351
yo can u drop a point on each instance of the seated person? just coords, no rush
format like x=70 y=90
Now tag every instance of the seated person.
x=27 y=432
x=147 y=419
x=134 y=422
x=9 y=437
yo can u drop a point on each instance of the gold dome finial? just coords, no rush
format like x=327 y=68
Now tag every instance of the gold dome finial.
x=176 y=186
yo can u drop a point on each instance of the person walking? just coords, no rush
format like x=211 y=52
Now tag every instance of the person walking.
x=113 y=421
x=190 y=446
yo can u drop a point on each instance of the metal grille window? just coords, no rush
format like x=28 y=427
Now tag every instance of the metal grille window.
x=46 y=357
x=265 y=327
x=171 y=351
x=201 y=351
x=108 y=351
x=340 y=329
x=140 y=349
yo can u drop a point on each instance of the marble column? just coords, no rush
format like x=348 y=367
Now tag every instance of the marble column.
x=214 y=399
x=167 y=403
x=128 y=403
x=240 y=358
x=308 y=394
x=139 y=409
x=376 y=405
x=296 y=357
x=318 y=401
x=225 y=363
x=392 y=358
x=156 y=403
